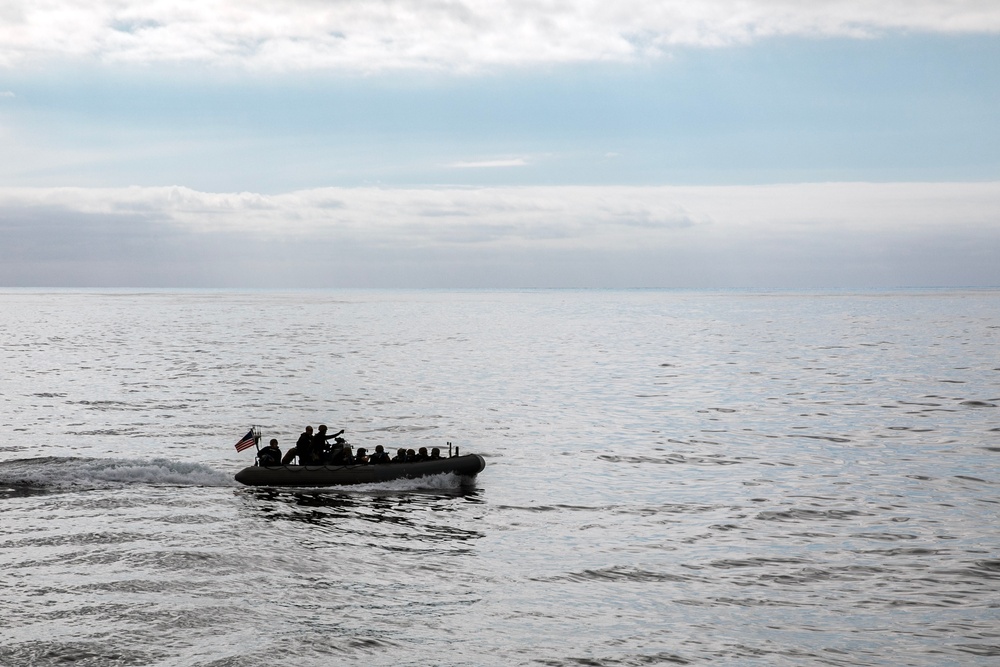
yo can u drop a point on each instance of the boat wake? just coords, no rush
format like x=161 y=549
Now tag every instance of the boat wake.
x=47 y=474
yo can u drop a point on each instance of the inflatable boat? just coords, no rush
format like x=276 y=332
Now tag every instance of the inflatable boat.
x=309 y=476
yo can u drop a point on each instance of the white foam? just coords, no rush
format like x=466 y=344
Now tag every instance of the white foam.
x=73 y=473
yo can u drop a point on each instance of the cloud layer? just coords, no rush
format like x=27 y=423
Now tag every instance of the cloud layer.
x=807 y=235
x=372 y=35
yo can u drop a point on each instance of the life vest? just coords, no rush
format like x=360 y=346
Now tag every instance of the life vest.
x=268 y=457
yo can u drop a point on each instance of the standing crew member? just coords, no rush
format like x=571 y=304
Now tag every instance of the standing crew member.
x=319 y=442
x=302 y=448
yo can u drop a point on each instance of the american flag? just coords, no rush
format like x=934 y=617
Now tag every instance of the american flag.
x=248 y=441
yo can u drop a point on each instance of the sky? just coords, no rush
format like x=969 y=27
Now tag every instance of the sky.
x=501 y=144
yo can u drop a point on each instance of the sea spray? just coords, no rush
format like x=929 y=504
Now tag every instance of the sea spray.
x=71 y=473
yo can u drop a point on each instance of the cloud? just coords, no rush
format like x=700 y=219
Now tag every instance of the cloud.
x=372 y=35
x=6 y=93
x=806 y=235
x=488 y=164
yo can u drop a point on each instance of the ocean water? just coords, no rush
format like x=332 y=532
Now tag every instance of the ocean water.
x=673 y=477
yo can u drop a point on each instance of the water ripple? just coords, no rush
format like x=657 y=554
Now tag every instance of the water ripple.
x=673 y=477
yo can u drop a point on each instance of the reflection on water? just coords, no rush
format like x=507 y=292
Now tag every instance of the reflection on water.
x=415 y=514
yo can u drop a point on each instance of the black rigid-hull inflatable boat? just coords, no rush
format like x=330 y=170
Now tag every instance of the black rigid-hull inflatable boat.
x=468 y=465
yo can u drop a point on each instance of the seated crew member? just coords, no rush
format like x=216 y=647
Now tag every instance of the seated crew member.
x=411 y=456
x=361 y=457
x=270 y=455
x=400 y=456
x=340 y=452
x=302 y=448
x=422 y=454
x=435 y=454
x=380 y=455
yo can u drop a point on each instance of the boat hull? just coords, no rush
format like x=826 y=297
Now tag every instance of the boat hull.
x=468 y=465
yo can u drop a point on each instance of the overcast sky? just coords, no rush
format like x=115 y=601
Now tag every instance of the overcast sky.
x=563 y=143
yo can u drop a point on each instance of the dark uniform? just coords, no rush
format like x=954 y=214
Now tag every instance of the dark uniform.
x=302 y=448
x=270 y=455
x=306 y=448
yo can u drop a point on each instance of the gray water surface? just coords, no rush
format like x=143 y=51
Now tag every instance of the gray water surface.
x=685 y=477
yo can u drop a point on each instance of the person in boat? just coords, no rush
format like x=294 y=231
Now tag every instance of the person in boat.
x=361 y=457
x=380 y=455
x=319 y=444
x=339 y=452
x=435 y=454
x=400 y=456
x=270 y=455
x=302 y=448
x=411 y=456
x=422 y=455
